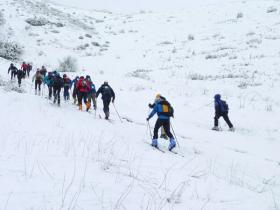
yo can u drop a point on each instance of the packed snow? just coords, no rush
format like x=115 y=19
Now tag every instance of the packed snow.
x=62 y=158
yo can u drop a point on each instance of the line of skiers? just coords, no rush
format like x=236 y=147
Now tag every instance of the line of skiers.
x=164 y=110
x=84 y=91
x=23 y=71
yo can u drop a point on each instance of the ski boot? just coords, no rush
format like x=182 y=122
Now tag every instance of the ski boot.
x=215 y=128
x=172 y=144
x=106 y=115
x=88 y=106
x=154 y=143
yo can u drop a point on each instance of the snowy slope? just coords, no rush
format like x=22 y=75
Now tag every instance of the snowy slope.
x=60 y=158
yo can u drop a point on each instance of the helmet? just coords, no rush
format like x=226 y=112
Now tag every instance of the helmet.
x=64 y=75
x=12 y=64
x=87 y=77
x=82 y=77
x=105 y=82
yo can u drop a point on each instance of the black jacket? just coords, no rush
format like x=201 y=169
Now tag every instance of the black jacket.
x=12 y=68
x=57 y=82
x=106 y=91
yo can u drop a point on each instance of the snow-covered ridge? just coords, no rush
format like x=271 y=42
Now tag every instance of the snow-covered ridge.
x=60 y=158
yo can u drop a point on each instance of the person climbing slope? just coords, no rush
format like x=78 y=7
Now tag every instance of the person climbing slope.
x=38 y=77
x=57 y=85
x=83 y=90
x=13 y=71
x=221 y=110
x=66 y=86
x=108 y=95
x=91 y=94
x=48 y=80
x=164 y=111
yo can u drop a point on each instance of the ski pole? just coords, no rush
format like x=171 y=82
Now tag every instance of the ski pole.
x=149 y=127
x=174 y=134
x=117 y=112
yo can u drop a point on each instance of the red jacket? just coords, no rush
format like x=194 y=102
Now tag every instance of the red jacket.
x=24 y=66
x=83 y=86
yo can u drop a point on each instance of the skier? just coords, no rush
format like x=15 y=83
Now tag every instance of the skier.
x=221 y=110
x=57 y=85
x=48 y=80
x=66 y=87
x=164 y=112
x=43 y=71
x=75 y=90
x=29 y=68
x=91 y=94
x=13 y=71
x=83 y=90
x=162 y=131
x=20 y=75
x=38 y=77
x=107 y=94
x=24 y=68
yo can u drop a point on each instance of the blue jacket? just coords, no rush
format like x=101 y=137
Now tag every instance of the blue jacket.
x=74 y=82
x=219 y=107
x=48 y=81
x=92 y=88
x=158 y=109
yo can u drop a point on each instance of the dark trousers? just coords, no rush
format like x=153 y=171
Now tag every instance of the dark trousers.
x=106 y=103
x=82 y=96
x=13 y=74
x=66 y=93
x=50 y=91
x=28 y=73
x=19 y=81
x=75 y=94
x=38 y=85
x=92 y=97
x=225 y=116
x=165 y=124
x=24 y=73
x=56 y=93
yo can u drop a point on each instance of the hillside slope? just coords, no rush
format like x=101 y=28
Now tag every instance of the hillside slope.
x=61 y=158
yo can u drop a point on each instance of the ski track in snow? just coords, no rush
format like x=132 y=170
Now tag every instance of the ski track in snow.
x=60 y=158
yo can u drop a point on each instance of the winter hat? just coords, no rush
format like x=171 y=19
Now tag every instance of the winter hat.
x=217 y=97
x=158 y=96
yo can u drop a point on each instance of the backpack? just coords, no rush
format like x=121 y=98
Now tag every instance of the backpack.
x=84 y=83
x=225 y=106
x=167 y=109
x=57 y=82
x=38 y=77
x=106 y=91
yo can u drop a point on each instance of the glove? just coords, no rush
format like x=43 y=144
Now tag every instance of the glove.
x=147 y=119
x=151 y=106
x=113 y=100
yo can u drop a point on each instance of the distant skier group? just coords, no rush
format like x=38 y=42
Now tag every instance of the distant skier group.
x=84 y=92
x=83 y=87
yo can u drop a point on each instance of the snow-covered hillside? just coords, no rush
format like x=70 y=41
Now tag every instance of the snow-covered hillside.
x=62 y=158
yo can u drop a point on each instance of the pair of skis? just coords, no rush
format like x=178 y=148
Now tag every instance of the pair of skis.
x=163 y=151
